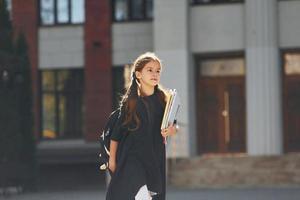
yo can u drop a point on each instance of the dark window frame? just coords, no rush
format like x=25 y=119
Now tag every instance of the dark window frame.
x=55 y=13
x=220 y=2
x=130 y=18
x=56 y=94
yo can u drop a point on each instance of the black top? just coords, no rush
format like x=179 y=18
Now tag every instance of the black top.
x=141 y=153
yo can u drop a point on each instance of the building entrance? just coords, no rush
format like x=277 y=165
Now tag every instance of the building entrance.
x=221 y=124
x=291 y=101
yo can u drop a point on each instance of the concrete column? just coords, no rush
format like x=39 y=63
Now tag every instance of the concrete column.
x=171 y=45
x=263 y=82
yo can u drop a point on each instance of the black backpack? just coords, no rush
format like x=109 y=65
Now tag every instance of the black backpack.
x=105 y=139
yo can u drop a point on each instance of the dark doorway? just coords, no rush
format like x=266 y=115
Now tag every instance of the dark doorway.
x=291 y=101
x=221 y=106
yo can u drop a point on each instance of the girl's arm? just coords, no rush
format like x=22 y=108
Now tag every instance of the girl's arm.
x=112 y=158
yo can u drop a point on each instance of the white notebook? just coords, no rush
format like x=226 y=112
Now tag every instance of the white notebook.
x=171 y=109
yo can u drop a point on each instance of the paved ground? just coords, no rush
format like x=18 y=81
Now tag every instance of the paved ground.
x=173 y=194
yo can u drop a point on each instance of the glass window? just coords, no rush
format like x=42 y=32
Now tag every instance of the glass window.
x=214 y=1
x=48 y=81
x=137 y=10
x=149 y=9
x=47 y=12
x=62 y=115
x=78 y=14
x=222 y=67
x=292 y=63
x=62 y=78
x=49 y=124
x=62 y=103
x=121 y=11
x=9 y=6
x=63 y=11
x=8 y=3
x=127 y=10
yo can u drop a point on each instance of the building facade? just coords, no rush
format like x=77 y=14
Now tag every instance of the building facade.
x=236 y=65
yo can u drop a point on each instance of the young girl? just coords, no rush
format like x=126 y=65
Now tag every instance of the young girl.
x=137 y=150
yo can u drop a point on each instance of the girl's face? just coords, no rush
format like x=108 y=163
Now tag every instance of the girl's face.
x=150 y=75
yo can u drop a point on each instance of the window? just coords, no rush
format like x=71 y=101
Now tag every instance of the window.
x=62 y=103
x=47 y=12
x=53 y=12
x=9 y=6
x=222 y=67
x=132 y=10
x=137 y=11
x=63 y=11
x=292 y=63
x=203 y=2
x=118 y=84
x=77 y=8
x=149 y=8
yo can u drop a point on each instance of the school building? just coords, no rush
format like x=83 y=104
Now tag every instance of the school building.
x=235 y=64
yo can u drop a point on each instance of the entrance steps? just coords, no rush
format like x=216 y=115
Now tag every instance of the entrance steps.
x=235 y=170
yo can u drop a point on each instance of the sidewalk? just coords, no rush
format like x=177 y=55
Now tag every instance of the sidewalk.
x=174 y=194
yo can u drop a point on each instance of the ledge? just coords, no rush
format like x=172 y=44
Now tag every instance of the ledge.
x=236 y=170
x=67 y=152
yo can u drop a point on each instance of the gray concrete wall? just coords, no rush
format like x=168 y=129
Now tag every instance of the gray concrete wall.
x=221 y=28
x=129 y=40
x=61 y=47
x=216 y=28
x=289 y=24
x=171 y=45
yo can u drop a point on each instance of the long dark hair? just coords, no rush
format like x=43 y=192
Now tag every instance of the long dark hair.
x=129 y=99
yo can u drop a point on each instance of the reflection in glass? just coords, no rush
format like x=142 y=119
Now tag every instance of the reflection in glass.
x=214 y=1
x=8 y=3
x=47 y=12
x=121 y=10
x=61 y=79
x=49 y=128
x=149 y=9
x=223 y=67
x=292 y=63
x=48 y=81
x=137 y=9
x=77 y=11
x=62 y=103
x=62 y=115
x=63 y=11
x=9 y=6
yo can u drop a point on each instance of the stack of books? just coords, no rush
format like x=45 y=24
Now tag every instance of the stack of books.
x=171 y=109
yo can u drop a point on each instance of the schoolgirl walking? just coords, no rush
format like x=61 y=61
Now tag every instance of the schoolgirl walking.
x=137 y=150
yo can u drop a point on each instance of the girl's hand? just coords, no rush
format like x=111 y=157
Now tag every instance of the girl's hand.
x=170 y=131
x=112 y=165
